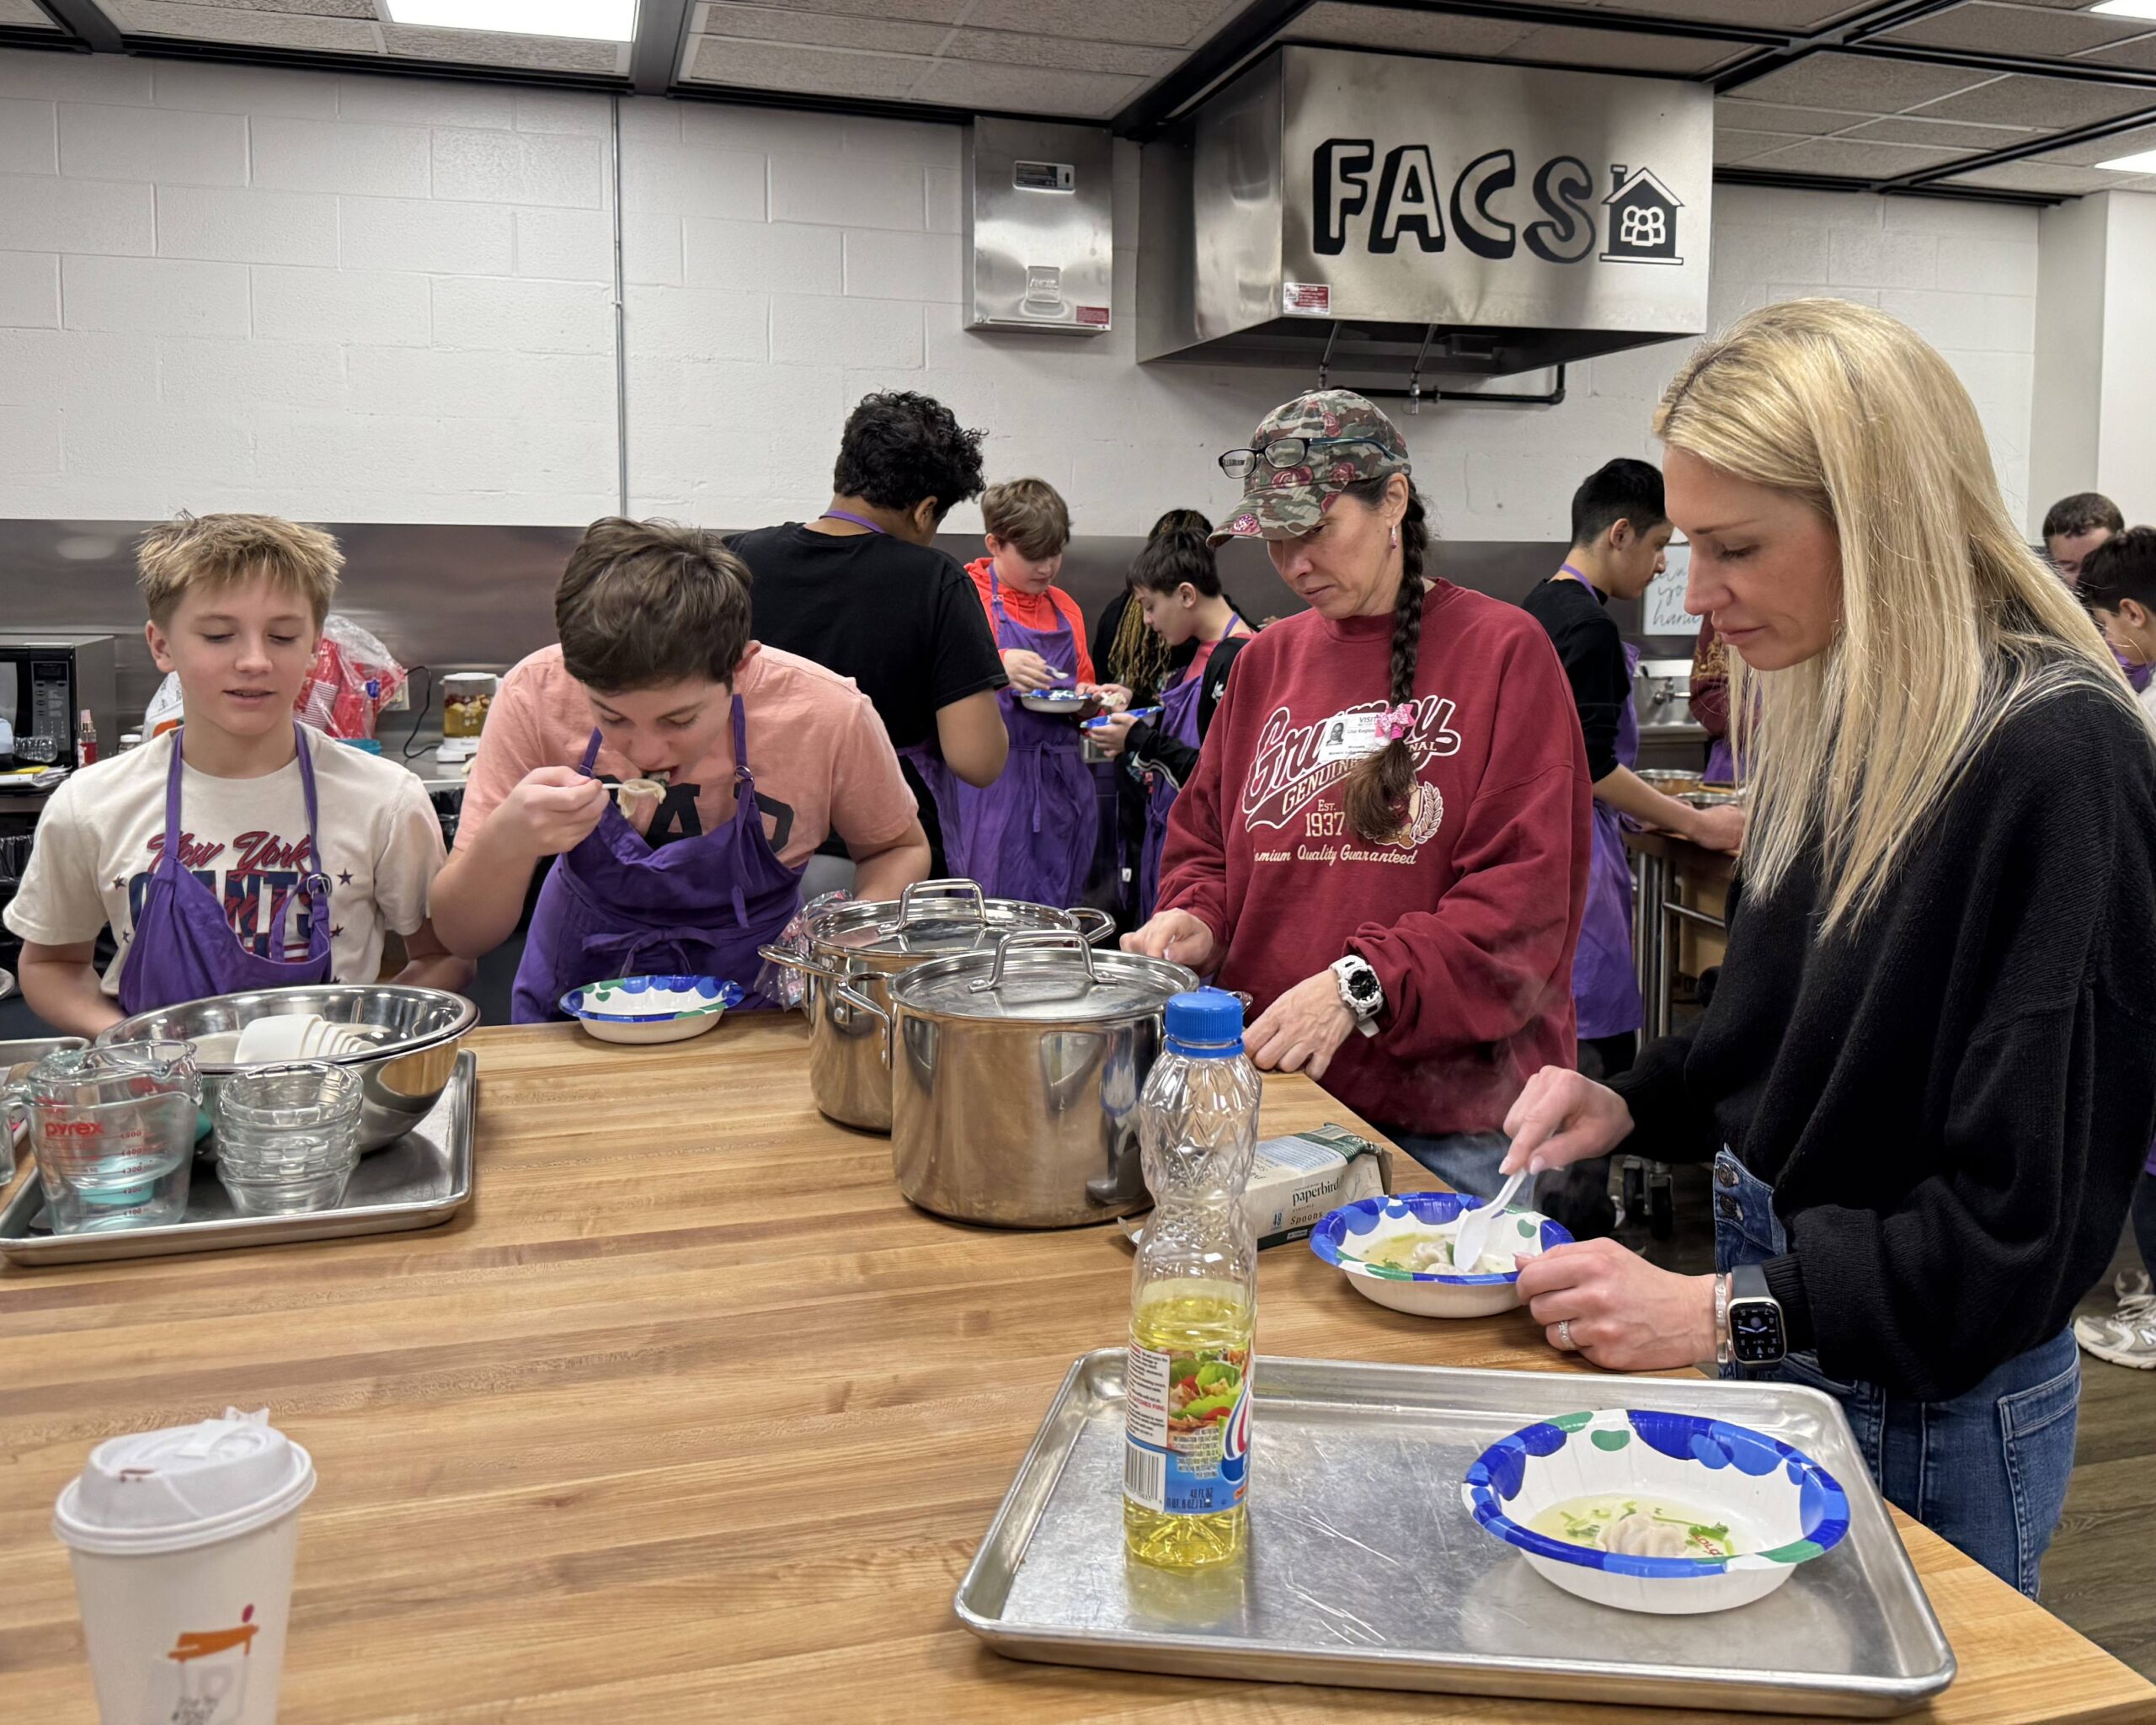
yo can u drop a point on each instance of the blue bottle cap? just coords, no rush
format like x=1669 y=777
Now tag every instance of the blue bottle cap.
x=1207 y=1024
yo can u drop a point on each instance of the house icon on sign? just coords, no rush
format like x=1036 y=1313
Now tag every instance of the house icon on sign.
x=1643 y=218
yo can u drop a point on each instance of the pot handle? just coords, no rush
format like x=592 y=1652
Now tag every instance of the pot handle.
x=1062 y=939
x=860 y=1003
x=1096 y=925
x=954 y=888
x=788 y=959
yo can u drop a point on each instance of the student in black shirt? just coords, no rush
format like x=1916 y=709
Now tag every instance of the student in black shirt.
x=1178 y=587
x=864 y=591
x=1927 y=1080
x=1126 y=651
x=1620 y=529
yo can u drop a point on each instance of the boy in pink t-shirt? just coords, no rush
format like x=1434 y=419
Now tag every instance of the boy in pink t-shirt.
x=655 y=679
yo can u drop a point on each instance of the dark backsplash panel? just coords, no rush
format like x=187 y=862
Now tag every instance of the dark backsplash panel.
x=480 y=598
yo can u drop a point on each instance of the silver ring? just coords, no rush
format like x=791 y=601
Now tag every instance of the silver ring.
x=1565 y=1334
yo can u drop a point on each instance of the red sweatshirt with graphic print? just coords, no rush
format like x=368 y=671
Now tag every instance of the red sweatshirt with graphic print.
x=1468 y=914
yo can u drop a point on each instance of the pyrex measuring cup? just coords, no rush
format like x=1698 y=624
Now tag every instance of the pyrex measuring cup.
x=113 y=1133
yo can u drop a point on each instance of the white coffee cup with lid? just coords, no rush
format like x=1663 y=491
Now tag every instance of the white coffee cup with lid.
x=183 y=1542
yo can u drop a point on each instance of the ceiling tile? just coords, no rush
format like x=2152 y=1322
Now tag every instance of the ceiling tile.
x=1763 y=15
x=26 y=14
x=1010 y=48
x=1164 y=23
x=2139 y=54
x=822 y=30
x=1945 y=133
x=1855 y=161
x=320 y=8
x=2041 y=176
x=919 y=11
x=1410 y=32
x=1760 y=14
x=2050 y=31
x=2121 y=143
x=1030 y=89
x=1732 y=147
x=821 y=71
x=1866 y=86
x=2039 y=102
x=232 y=24
x=1792 y=122
x=1567 y=46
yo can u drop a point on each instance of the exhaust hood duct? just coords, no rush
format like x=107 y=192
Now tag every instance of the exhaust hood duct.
x=1386 y=218
x=1040 y=227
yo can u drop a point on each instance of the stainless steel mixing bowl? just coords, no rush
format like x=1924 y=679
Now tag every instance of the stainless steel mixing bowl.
x=417 y=1032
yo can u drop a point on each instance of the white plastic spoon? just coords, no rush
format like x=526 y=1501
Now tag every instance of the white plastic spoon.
x=1475 y=1225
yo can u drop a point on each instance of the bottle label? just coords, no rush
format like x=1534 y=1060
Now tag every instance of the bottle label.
x=1187 y=1429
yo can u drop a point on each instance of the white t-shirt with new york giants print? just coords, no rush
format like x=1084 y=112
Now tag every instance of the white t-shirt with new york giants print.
x=245 y=839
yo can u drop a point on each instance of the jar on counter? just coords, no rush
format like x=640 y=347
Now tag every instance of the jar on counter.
x=466 y=696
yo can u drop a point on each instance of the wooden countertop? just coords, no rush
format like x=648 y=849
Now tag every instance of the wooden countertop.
x=619 y=1444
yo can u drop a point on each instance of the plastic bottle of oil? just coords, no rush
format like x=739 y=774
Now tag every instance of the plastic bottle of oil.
x=1193 y=1296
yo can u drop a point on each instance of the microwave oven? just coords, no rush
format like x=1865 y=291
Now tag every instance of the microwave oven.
x=47 y=680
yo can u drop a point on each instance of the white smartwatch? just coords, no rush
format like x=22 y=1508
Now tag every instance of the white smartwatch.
x=1360 y=991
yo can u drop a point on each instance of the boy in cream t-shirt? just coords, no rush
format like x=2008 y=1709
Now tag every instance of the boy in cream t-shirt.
x=235 y=606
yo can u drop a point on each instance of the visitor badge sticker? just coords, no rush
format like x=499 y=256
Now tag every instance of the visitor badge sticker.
x=1348 y=736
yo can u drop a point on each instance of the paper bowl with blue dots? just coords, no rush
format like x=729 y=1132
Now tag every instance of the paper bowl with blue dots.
x=648 y=1009
x=1776 y=1507
x=1348 y=1238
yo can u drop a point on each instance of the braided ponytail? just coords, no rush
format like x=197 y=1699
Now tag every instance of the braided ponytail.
x=1137 y=658
x=1376 y=792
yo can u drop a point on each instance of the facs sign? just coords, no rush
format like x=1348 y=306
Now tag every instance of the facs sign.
x=1491 y=197
x=1408 y=198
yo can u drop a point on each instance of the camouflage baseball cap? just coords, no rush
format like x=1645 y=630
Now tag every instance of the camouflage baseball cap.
x=1333 y=439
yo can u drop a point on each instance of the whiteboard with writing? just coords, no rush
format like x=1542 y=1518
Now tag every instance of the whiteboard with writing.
x=1662 y=611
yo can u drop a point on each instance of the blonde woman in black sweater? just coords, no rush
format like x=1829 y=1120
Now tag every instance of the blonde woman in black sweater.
x=1927 y=1077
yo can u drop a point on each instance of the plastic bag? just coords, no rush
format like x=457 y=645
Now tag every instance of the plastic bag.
x=352 y=680
x=782 y=983
x=166 y=709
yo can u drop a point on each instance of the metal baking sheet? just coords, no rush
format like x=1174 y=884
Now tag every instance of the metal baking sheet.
x=423 y=1179
x=1364 y=1569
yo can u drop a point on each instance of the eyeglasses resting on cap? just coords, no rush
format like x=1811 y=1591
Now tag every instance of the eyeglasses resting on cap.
x=1283 y=453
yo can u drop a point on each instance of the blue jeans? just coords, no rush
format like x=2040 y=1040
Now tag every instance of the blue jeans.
x=1985 y=1470
x=1467 y=1162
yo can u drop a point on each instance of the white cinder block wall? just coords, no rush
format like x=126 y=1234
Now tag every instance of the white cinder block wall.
x=370 y=299
x=340 y=298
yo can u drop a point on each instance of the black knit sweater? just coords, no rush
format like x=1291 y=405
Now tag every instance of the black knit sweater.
x=1953 y=1101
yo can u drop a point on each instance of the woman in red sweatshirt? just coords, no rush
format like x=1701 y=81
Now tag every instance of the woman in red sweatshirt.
x=1386 y=841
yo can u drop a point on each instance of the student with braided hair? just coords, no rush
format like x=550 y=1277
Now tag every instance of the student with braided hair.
x=1385 y=840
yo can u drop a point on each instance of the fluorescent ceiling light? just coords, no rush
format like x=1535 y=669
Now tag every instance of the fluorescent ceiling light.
x=2126 y=8
x=2145 y=163
x=585 y=20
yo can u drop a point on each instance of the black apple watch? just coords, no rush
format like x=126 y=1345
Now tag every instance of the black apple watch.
x=1757 y=1337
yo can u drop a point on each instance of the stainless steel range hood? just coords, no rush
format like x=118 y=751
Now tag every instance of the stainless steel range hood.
x=1382 y=215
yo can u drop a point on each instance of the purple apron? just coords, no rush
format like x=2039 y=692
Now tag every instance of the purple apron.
x=183 y=947
x=1178 y=720
x=614 y=906
x=1033 y=833
x=1605 y=987
x=1722 y=763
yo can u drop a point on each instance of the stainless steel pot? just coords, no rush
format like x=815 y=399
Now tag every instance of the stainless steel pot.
x=866 y=944
x=1015 y=1078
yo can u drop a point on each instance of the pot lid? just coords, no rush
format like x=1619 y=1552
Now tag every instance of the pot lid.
x=932 y=918
x=1048 y=978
